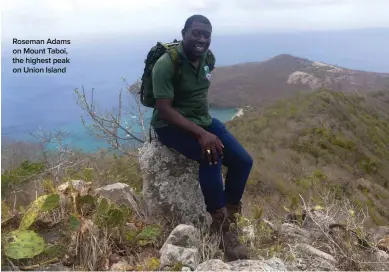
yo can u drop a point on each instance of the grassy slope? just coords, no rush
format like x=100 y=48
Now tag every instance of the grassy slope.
x=321 y=142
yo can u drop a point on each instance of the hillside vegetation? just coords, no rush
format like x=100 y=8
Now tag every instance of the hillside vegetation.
x=322 y=152
x=319 y=145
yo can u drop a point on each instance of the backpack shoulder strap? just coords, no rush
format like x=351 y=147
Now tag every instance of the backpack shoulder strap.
x=210 y=60
x=176 y=59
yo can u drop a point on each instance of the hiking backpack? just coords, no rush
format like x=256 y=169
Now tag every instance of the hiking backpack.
x=146 y=90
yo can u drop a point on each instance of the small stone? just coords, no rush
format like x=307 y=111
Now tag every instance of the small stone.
x=172 y=255
x=290 y=231
x=183 y=236
x=382 y=256
x=213 y=265
x=274 y=264
x=314 y=251
x=53 y=267
x=383 y=244
x=68 y=260
x=121 y=266
x=219 y=254
x=249 y=232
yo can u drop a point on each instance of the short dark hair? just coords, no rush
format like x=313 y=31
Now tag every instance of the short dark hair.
x=198 y=18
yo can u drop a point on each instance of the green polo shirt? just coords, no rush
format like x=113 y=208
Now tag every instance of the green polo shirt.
x=191 y=93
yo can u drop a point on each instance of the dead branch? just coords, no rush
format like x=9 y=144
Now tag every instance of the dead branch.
x=110 y=126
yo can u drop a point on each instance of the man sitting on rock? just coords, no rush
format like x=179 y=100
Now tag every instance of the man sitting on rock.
x=182 y=121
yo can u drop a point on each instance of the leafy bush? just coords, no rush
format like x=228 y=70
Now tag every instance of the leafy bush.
x=23 y=173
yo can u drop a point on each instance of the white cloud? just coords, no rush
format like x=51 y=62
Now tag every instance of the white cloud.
x=85 y=18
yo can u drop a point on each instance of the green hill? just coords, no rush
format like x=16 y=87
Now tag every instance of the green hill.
x=319 y=145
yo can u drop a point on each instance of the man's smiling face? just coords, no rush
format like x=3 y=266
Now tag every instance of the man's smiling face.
x=197 y=38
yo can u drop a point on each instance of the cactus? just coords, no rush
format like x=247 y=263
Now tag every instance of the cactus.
x=131 y=235
x=74 y=223
x=51 y=202
x=5 y=212
x=126 y=211
x=102 y=207
x=42 y=203
x=114 y=217
x=21 y=244
x=148 y=235
x=32 y=213
x=86 y=199
x=151 y=264
x=101 y=211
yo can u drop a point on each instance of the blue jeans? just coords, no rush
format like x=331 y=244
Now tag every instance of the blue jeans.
x=236 y=159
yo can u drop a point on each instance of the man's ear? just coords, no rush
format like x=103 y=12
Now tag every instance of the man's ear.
x=183 y=33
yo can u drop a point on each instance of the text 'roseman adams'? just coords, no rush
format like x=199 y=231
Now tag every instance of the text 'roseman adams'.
x=49 y=41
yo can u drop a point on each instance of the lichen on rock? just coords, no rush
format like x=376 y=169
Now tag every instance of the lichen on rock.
x=170 y=185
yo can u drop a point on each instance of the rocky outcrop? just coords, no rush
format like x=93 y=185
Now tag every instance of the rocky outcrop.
x=184 y=246
x=170 y=185
x=122 y=194
x=300 y=77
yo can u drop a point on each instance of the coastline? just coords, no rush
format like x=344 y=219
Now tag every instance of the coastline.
x=79 y=138
x=238 y=114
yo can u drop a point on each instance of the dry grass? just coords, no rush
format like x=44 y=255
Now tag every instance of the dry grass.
x=336 y=227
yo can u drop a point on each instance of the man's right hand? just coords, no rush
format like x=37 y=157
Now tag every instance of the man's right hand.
x=211 y=146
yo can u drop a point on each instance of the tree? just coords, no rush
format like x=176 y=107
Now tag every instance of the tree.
x=117 y=127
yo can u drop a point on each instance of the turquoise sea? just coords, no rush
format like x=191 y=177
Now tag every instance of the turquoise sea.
x=78 y=137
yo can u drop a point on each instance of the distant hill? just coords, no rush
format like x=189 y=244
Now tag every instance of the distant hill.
x=284 y=75
x=320 y=145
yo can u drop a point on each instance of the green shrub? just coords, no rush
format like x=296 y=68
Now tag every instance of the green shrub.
x=23 y=173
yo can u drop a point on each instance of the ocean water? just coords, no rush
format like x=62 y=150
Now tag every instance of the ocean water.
x=46 y=101
x=79 y=137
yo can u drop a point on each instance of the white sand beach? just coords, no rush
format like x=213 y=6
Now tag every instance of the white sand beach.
x=239 y=113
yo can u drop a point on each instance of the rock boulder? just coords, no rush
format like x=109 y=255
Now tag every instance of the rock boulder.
x=182 y=246
x=170 y=185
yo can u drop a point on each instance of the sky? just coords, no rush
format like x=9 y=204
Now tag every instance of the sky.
x=26 y=19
